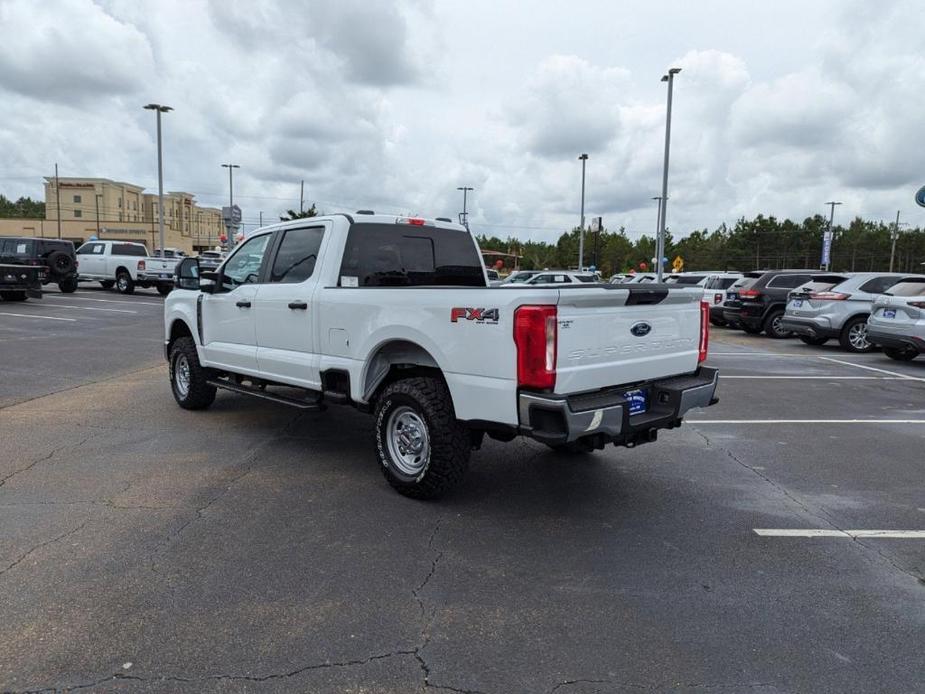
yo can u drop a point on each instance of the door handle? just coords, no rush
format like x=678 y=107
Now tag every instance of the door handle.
x=243 y=304
x=298 y=305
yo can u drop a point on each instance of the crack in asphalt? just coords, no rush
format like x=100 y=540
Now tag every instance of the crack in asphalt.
x=820 y=514
x=45 y=544
x=44 y=458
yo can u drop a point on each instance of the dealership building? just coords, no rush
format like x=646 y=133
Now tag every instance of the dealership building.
x=113 y=210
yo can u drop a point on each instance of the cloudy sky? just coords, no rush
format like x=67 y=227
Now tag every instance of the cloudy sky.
x=780 y=106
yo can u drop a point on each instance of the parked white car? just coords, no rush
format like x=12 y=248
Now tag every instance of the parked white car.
x=897 y=320
x=124 y=265
x=394 y=316
x=640 y=278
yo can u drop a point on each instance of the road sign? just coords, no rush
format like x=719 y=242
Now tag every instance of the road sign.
x=597 y=224
x=678 y=264
x=920 y=196
x=231 y=215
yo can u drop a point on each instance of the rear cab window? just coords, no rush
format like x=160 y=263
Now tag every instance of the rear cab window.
x=128 y=249
x=402 y=255
x=298 y=252
x=910 y=287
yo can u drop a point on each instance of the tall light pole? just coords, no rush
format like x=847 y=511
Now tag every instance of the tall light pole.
x=658 y=221
x=231 y=229
x=159 y=109
x=829 y=237
x=97 y=197
x=894 y=235
x=464 y=217
x=583 y=158
x=663 y=203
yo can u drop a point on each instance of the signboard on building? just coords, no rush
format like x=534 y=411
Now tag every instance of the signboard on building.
x=231 y=215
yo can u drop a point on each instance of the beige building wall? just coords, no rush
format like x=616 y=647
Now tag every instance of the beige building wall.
x=113 y=209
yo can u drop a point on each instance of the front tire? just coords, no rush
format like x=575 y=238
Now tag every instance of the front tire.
x=68 y=286
x=773 y=326
x=900 y=354
x=814 y=341
x=422 y=448
x=188 y=379
x=853 y=336
x=164 y=289
x=124 y=283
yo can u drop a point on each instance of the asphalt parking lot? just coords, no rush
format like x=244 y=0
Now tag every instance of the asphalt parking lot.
x=251 y=547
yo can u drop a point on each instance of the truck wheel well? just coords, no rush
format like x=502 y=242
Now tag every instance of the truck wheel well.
x=122 y=268
x=178 y=329
x=395 y=360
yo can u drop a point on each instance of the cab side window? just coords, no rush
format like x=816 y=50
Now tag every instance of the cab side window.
x=244 y=266
x=298 y=252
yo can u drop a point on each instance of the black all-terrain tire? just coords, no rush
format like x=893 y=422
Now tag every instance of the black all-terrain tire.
x=814 y=341
x=13 y=296
x=107 y=284
x=772 y=327
x=60 y=263
x=198 y=395
x=851 y=340
x=449 y=444
x=68 y=286
x=124 y=283
x=164 y=289
x=900 y=354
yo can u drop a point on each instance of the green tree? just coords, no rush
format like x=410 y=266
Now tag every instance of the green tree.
x=292 y=214
x=23 y=208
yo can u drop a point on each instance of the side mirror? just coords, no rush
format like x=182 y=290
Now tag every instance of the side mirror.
x=187 y=274
x=210 y=281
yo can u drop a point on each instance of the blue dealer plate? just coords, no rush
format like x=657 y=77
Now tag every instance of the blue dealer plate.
x=797 y=303
x=889 y=313
x=638 y=400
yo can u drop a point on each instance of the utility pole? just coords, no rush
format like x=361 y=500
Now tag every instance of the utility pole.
x=58 y=198
x=660 y=245
x=895 y=237
x=583 y=158
x=828 y=237
x=97 y=197
x=261 y=217
x=160 y=172
x=302 y=197
x=464 y=215
x=230 y=229
x=658 y=221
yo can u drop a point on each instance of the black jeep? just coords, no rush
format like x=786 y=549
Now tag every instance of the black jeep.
x=56 y=256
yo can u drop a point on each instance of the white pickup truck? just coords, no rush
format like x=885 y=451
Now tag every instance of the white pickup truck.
x=125 y=265
x=394 y=316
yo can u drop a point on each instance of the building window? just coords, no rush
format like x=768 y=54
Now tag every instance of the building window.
x=76 y=198
x=78 y=213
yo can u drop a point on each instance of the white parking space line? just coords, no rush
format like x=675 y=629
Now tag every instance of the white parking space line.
x=871 y=368
x=805 y=421
x=103 y=301
x=30 y=315
x=814 y=532
x=58 y=307
x=822 y=378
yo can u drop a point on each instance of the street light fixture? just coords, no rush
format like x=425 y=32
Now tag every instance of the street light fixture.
x=663 y=203
x=583 y=158
x=160 y=170
x=464 y=217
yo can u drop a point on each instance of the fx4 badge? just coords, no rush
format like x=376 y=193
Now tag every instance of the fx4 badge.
x=479 y=315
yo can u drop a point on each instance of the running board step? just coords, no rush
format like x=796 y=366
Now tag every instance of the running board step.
x=273 y=397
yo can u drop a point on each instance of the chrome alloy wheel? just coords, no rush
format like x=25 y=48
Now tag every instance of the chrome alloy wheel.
x=181 y=375
x=408 y=442
x=857 y=336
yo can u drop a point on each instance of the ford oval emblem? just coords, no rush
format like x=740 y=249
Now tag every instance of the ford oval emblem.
x=641 y=329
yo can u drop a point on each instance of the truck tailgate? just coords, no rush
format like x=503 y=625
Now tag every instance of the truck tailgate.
x=625 y=335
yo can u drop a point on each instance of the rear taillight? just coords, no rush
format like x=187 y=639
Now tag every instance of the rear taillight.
x=749 y=293
x=141 y=265
x=535 y=334
x=829 y=296
x=717 y=298
x=704 y=331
